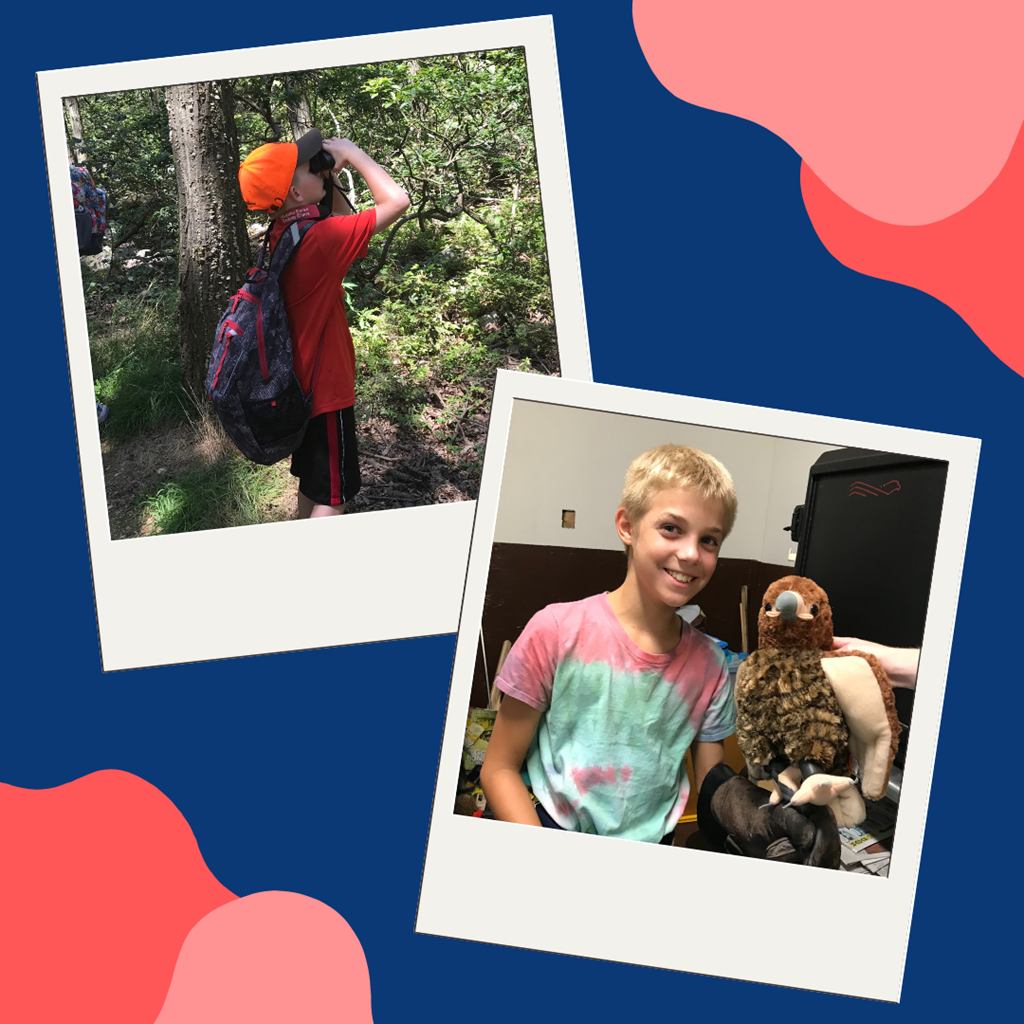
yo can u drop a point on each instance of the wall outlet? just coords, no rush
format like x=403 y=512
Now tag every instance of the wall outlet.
x=568 y=519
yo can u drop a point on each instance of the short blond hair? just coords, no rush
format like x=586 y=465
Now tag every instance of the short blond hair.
x=677 y=465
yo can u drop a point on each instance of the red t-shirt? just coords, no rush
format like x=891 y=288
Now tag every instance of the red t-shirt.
x=314 y=294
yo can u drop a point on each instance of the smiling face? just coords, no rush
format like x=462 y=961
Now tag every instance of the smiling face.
x=674 y=547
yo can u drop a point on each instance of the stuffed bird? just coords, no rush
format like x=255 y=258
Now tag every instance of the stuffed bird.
x=803 y=709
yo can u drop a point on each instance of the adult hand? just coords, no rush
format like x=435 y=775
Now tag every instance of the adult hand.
x=900 y=663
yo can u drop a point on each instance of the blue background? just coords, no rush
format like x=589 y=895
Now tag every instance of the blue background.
x=702 y=276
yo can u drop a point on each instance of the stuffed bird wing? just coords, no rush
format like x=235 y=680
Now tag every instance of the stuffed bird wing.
x=865 y=696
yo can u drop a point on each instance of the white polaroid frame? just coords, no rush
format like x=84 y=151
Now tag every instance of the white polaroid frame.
x=344 y=566
x=681 y=909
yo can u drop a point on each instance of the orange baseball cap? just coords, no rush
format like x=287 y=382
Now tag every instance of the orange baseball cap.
x=266 y=173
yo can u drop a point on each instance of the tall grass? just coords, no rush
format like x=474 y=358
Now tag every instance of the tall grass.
x=136 y=365
x=234 y=492
x=137 y=373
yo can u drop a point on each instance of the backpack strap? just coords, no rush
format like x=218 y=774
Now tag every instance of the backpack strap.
x=287 y=244
x=263 y=249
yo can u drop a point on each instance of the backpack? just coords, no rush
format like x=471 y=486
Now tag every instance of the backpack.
x=251 y=380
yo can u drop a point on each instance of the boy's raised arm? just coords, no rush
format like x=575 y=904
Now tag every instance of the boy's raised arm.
x=389 y=197
x=502 y=784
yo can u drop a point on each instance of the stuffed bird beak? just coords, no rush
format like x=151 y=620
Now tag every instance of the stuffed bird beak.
x=787 y=604
x=790 y=606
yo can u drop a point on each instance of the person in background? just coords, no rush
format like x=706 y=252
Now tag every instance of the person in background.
x=90 y=211
x=90 y=203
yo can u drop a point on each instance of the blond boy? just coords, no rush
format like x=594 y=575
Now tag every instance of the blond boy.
x=603 y=697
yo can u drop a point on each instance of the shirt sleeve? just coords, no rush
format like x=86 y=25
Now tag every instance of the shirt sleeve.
x=529 y=669
x=345 y=239
x=720 y=718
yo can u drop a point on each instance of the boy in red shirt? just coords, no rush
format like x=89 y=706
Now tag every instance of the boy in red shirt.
x=276 y=177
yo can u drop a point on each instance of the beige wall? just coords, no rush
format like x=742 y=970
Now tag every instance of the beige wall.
x=562 y=458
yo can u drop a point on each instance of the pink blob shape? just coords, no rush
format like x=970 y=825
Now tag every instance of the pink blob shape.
x=973 y=261
x=101 y=879
x=268 y=958
x=907 y=111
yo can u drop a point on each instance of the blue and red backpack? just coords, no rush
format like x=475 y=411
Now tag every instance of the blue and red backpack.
x=251 y=379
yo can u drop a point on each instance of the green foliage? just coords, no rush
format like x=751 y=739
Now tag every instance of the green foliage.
x=454 y=290
x=127 y=150
x=449 y=308
x=136 y=366
x=452 y=126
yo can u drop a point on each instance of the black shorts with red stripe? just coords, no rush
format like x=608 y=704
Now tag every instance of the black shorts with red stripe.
x=327 y=461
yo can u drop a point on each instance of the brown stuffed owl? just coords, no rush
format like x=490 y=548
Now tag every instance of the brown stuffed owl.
x=803 y=709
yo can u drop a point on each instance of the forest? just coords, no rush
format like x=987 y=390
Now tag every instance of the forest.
x=456 y=289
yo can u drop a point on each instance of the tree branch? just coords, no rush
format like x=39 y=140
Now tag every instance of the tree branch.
x=419 y=215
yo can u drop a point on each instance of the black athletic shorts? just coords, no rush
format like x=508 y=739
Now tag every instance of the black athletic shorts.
x=327 y=461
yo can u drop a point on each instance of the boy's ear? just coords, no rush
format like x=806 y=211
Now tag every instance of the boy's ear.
x=623 y=526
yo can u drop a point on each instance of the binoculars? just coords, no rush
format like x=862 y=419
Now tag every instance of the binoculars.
x=322 y=161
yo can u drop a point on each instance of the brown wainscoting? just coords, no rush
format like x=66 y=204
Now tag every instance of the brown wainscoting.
x=523 y=578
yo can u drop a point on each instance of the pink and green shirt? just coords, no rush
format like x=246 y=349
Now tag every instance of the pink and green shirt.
x=608 y=754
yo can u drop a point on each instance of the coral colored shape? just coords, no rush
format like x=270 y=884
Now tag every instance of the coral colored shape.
x=906 y=110
x=101 y=879
x=973 y=261
x=268 y=958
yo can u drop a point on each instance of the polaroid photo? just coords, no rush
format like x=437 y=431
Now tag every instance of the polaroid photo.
x=141 y=539
x=545 y=532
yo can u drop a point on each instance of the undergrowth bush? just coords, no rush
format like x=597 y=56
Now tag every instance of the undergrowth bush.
x=452 y=304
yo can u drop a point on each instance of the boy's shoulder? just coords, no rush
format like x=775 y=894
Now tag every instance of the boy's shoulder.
x=703 y=642
x=330 y=236
x=563 y=622
x=568 y=612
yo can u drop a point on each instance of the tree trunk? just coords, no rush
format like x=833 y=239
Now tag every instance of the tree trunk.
x=297 y=105
x=213 y=251
x=75 y=120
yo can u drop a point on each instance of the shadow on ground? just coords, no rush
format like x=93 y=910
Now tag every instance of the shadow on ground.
x=403 y=470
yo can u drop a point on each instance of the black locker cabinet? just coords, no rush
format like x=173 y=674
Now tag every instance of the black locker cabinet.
x=867 y=533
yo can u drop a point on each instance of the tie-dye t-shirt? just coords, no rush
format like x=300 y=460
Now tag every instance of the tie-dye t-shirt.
x=608 y=754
